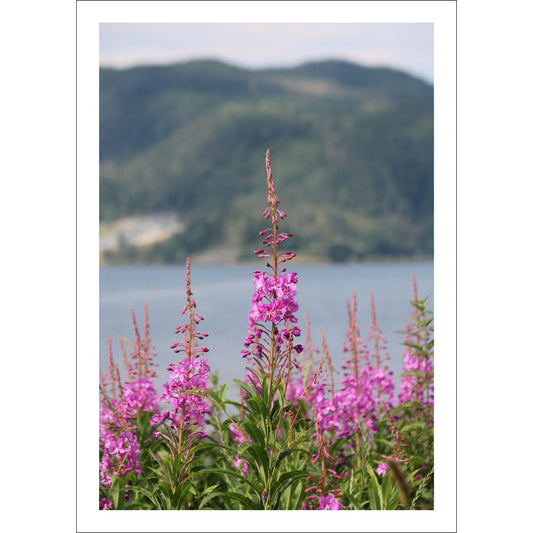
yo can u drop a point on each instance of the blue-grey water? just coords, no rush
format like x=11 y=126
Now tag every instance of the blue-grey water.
x=223 y=295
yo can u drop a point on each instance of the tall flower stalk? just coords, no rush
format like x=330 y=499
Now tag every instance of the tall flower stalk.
x=272 y=321
x=187 y=413
x=272 y=354
x=417 y=377
x=124 y=409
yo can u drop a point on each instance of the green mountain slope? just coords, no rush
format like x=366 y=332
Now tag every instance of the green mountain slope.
x=352 y=155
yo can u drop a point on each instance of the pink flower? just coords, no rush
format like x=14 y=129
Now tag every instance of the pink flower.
x=120 y=456
x=329 y=503
x=240 y=463
x=105 y=504
x=382 y=469
x=188 y=374
x=236 y=434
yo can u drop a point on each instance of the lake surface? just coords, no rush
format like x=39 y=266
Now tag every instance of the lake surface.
x=223 y=295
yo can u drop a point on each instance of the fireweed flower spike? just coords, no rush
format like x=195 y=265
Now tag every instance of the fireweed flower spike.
x=119 y=411
x=139 y=391
x=143 y=351
x=272 y=358
x=273 y=300
x=187 y=412
x=417 y=359
x=118 y=441
x=382 y=376
x=319 y=487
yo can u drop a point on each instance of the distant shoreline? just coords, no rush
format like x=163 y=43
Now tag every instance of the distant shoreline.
x=212 y=258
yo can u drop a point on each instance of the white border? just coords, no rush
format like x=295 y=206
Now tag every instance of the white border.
x=89 y=16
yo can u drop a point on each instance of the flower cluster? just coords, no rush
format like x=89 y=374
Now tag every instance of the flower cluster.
x=139 y=395
x=329 y=503
x=106 y=503
x=341 y=413
x=120 y=456
x=121 y=406
x=411 y=388
x=417 y=379
x=187 y=409
x=190 y=374
x=363 y=387
x=118 y=439
x=273 y=301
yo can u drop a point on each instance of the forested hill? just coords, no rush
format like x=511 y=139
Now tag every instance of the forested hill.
x=351 y=150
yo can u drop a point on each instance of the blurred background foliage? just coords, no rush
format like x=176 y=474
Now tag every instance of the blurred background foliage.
x=351 y=150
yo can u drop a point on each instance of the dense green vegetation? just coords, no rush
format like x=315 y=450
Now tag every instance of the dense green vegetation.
x=353 y=149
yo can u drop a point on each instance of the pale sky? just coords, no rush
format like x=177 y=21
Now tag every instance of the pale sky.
x=402 y=46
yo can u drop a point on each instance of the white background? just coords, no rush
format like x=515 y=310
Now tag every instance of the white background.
x=38 y=215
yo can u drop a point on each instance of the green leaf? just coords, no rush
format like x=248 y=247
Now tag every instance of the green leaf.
x=114 y=492
x=282 y=456
x=372 y=495
x=274 y=412
x=210 y=489
x=222 y=392
x=415 y=426
x=261 y=459
x=180 y=501
x=415 y=373
x=335 y=447
x=208 y=498
x=303 y=437
x=375 y=492
x=258 y=406
x=255 y=433
x=405 y=406
x=246 y=480
x=293 y=497
x=165 y=489
x=243 y=500
x=250 y=390
x=391 y=494
x=412 y=345
x=235 y=404
x=148 y=494
x=265 y=391
x=287 y=478
x=383 y=442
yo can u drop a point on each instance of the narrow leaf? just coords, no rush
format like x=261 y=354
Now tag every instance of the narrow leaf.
x=415 y=373
x=412 y=345
x=413 y=427
x=259 y=406
x=287 y=478
x=255 y=433
x=234 y=474
x=222 y=392
x=405 y=406
x=261 y=459
x=245 y=501
x=282 y=456
x=148 y=494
